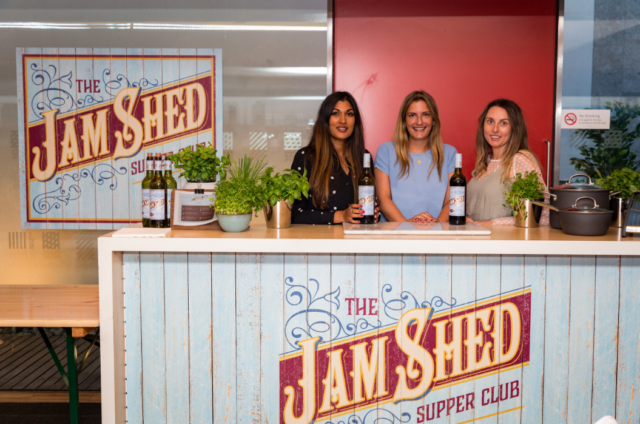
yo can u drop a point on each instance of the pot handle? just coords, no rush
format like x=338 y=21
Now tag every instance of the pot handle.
x=553 y=196
x=544 y=205
x=613 y=193
x=595 y=205
x=580 y=175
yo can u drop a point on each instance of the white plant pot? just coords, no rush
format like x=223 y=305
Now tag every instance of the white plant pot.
x=203 y=185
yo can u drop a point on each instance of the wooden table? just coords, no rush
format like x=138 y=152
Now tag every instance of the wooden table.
x=75 y=308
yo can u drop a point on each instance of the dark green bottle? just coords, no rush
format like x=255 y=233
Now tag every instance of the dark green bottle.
x=457 y=195
x=158 y=195
x=171 y=184
x=145 y=190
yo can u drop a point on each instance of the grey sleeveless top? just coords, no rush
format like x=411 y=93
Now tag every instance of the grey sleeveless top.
x=485 y=198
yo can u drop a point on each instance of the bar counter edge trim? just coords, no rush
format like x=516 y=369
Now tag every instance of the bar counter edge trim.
x=380 y=246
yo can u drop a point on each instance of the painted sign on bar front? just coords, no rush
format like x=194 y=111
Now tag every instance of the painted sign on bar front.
x=88 y=117
x=354 y=359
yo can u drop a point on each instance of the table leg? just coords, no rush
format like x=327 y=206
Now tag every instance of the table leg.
x=73 y=377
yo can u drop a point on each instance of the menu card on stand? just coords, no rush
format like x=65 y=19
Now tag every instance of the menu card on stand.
x=191 y=210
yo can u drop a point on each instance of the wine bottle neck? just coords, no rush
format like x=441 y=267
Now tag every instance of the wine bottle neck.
x=366 y=163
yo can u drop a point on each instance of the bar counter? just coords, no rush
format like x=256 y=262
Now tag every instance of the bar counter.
x=330 y=239
x=308 y=324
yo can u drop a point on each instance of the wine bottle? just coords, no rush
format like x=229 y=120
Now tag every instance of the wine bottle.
x=171 y=184
x=158 y=195
x=145 y=190
x=366 y=192
x=457 y=195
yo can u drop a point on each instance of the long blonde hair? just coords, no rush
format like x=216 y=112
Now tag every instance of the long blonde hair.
x=401 y=134
x=517 y=143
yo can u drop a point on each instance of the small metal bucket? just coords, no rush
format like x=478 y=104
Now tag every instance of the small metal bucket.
x=278 y=216
x=529 y=214
x=619 y=208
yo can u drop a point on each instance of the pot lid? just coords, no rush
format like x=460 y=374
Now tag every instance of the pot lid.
x=579 y=186
x=589 y=209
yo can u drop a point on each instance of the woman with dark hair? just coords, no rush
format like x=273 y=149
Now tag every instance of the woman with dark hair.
x=502 y=151
x=413 y=171
x=333 y=161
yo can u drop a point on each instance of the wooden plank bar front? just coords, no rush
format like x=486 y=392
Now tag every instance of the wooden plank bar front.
x=215 y=334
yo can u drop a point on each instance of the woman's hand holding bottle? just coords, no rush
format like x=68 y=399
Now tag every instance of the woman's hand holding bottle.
x=353 y=214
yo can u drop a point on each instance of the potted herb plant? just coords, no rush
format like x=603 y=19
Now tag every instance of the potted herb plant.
x=200 y=166
x=624 y=182
x=521 y=189
x=237 y=196
x=278 y=193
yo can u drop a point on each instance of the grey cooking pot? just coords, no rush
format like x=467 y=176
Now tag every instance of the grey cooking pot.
x=565 y=196
x=582 y=220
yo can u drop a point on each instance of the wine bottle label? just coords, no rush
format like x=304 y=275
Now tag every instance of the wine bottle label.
x=156 y=207
x=456 y=201
x=366 y=199
x=169 y=206
x=367 y=160
x=149 y=165
x=145 y=203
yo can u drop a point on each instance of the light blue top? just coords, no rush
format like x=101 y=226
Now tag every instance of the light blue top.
x=417 y=191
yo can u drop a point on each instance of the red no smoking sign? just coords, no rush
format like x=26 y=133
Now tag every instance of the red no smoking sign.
x=570 y=118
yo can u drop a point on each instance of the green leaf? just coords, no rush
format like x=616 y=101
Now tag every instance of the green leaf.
x=288 y=185
x=523 y=187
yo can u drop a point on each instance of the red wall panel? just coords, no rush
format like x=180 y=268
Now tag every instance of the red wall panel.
x=464 y=53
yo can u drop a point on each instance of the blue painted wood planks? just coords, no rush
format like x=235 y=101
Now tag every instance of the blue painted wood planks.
x=218 y=337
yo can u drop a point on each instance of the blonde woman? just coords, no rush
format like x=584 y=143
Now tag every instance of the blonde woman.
x=413 y=171
x=502 y=151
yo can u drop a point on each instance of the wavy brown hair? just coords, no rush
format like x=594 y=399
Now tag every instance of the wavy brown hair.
x=518 y=142
x=401 y=134
x=324 y=157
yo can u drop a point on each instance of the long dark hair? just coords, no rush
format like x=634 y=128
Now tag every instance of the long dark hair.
x=518 y=142
x=323 y=155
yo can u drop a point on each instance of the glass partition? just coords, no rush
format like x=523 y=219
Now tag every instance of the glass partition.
x=600 y=59
x=275 y=75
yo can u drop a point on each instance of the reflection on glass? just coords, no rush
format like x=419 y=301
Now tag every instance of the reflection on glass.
x=599 y=71
x=274 y=57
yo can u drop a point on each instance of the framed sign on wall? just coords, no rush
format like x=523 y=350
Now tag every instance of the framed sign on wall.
x=88 y=116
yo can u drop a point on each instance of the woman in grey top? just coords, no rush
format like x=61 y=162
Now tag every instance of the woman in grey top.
x=502 y=151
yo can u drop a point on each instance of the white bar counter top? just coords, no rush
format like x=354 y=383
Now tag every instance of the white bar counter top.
x=504 y=240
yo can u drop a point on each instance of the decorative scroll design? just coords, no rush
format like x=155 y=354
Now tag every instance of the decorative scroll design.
x=51 y=96
x=319 y=321
x=393 y=308
x=101 y=174
x=89 y=100
x=113 y=86
x=375 y=416
x=56 y=92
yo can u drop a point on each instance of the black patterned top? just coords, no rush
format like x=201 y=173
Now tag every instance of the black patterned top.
x=341 y=194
